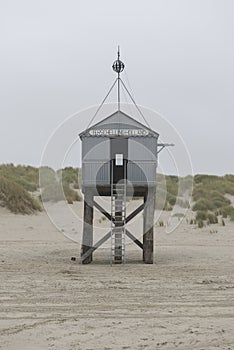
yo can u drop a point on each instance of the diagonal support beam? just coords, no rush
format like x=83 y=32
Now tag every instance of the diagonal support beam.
x=104 y=239
x=135 y=212
x=96 y=245
x=108 y=216
x=134 y=239
x=102 y=210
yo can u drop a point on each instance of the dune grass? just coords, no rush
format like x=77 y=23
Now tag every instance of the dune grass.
x=18 y=184
x=15 y=198
x=209 y=197
x=25 y=176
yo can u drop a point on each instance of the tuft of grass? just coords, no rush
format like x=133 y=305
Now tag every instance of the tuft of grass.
x=212 y=219
x=69 y=200
x=200 y=224
x=213 y=231
x=227 y=211
x=102 y=218
x=161 y=223
x=203 y=204
x=201 y=215
x=204 y=216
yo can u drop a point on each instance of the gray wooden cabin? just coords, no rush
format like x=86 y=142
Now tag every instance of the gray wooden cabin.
x=119 y=149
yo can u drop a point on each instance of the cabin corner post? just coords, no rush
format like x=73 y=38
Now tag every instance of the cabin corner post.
x=87 y=240
x=148 y=226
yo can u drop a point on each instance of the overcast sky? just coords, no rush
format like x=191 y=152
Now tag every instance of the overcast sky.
x=56 y=59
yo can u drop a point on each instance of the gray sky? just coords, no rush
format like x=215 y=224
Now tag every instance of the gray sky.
x=56 y=59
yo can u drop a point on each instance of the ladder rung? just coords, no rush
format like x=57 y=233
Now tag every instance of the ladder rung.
x=114 y=249
x=118 y=241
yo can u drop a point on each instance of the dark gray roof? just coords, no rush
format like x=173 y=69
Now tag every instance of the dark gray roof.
x=118 y=120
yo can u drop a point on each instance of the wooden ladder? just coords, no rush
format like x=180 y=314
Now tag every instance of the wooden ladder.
x=118 y=222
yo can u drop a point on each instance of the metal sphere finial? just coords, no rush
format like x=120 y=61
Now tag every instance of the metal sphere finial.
x=118 y=66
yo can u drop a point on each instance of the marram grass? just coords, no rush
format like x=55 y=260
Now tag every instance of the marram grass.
x=14 y=197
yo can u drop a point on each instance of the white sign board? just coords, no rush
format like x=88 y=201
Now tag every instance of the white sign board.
x=118 y=132
x=119 y=159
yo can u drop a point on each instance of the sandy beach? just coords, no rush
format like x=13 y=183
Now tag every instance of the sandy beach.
x=185 y=300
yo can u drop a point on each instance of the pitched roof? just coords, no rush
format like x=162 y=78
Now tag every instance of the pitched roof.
x=118 y=119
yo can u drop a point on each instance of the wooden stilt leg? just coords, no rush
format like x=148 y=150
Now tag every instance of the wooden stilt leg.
x=87 y=241
x=148 y=227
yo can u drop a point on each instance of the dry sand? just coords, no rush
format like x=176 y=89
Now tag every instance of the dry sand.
x=184 y=301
